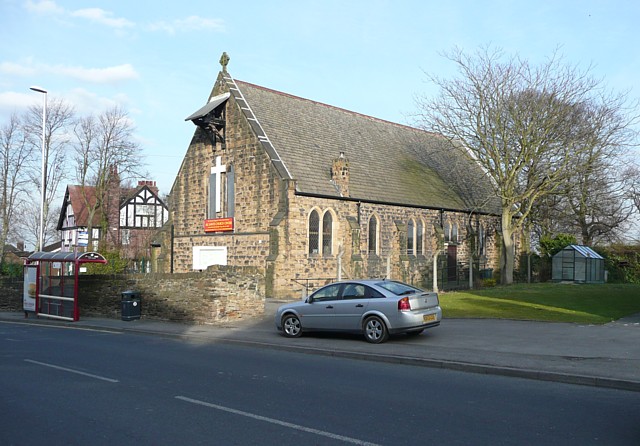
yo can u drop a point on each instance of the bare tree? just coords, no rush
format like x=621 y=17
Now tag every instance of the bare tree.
x=594 y=202
x=16 y=155
x=60 y=117
x=632 y=179
x=523 y=124
x=104 y=148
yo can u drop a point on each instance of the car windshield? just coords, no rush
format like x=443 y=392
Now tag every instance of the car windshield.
x=398 y=288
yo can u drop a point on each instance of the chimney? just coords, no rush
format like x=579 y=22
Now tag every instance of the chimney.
x=20 y=246
x=340 y=174
x=150 y=184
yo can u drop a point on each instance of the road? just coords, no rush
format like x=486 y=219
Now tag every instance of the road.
x=65 y=386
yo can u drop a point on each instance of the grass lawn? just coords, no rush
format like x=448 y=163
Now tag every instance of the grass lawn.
x=559 y=302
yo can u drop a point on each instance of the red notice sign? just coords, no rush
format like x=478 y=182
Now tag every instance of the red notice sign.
x=218 y=225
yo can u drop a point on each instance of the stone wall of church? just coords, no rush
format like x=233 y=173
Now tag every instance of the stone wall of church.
x=298 y=272
x=256 y=195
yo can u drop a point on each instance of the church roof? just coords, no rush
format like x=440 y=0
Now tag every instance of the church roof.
x=388 y=162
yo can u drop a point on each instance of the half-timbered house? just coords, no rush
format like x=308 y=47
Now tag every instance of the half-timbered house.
x=133 y=218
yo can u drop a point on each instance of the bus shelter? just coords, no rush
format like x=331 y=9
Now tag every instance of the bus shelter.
x=51 y=283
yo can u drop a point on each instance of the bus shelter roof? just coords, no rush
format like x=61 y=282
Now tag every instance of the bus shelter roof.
x=79 y=257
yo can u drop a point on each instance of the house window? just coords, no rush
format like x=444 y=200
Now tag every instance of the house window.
x=373 y=235
x=447 y=232
x=126 y=236
x=314 y=232
x=411 y=238
x=481 y=241
x=419 y=238
x=327 y=229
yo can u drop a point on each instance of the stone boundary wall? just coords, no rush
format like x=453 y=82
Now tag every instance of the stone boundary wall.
x=219 y=295
x=11 y=293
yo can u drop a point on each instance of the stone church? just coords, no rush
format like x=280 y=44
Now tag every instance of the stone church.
x=308 y=193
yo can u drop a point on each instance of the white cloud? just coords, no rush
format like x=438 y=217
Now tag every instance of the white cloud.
x=106 y=75
x=44 y=7
x=96 y=15
x=14 y=69
x=191 y=23
x=101 y=16
x=87 y=102
x=11 y=101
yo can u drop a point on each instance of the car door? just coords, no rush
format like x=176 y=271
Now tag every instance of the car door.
x=349 y=309
x=319 y=313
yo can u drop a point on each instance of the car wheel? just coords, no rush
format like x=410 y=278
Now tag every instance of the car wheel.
x=375 y=331
x=291 y=326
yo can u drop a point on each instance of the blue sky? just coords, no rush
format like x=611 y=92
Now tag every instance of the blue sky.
x=159 y=60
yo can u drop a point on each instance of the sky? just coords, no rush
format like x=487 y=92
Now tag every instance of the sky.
x=159 y=60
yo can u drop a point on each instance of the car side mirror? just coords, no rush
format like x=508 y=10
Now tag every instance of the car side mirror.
x=309 y=300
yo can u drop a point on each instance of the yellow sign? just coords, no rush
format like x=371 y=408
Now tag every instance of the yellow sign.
x=218 y=225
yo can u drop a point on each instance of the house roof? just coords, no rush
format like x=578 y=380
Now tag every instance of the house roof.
x=75 y=198
x=388 y=162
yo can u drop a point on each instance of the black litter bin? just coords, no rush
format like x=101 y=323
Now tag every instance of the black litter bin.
x=486 y=273
x=131 y=305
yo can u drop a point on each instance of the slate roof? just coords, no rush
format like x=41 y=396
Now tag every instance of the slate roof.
x=75 y=199
x=77 y=203
x=388 y=162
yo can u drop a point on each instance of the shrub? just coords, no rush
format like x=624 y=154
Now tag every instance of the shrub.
x=115 y=264
x=622 y=263
x=488 y=283
x=8 y=269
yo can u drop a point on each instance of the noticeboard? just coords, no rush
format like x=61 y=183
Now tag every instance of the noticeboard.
x=218 y=225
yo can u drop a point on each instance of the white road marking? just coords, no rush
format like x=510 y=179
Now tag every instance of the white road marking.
x=72 y=371
x=279 y=422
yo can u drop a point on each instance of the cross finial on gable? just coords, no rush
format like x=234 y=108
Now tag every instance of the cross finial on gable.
x=224 y=61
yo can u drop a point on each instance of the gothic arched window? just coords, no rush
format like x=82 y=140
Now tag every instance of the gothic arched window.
x=373 y=235
x=314 y=232
x=327 y=231
x=410 y=238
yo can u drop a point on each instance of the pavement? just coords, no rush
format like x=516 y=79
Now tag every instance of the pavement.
x=595 y=355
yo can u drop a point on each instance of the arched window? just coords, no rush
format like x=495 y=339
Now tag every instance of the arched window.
x=419 y=238
x=314 y=232
x=454 y=232
x=373 y=235
x=410 y=238
x=447 y=231
x=327 y=230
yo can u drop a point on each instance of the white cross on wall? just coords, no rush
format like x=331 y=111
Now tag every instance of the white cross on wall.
x=217 y=170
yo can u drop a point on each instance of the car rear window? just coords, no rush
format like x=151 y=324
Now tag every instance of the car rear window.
x=398 y=288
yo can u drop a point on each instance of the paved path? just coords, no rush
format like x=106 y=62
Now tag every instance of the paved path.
x=598 y=355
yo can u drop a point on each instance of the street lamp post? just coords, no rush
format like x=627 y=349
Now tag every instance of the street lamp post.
x=43 y=178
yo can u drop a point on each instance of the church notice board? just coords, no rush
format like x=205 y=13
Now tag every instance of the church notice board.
x=218 y=225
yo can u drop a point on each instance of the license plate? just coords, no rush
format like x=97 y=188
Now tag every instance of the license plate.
x=429 y=317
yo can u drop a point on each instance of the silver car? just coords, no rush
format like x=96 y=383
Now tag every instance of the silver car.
x=374 y=307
